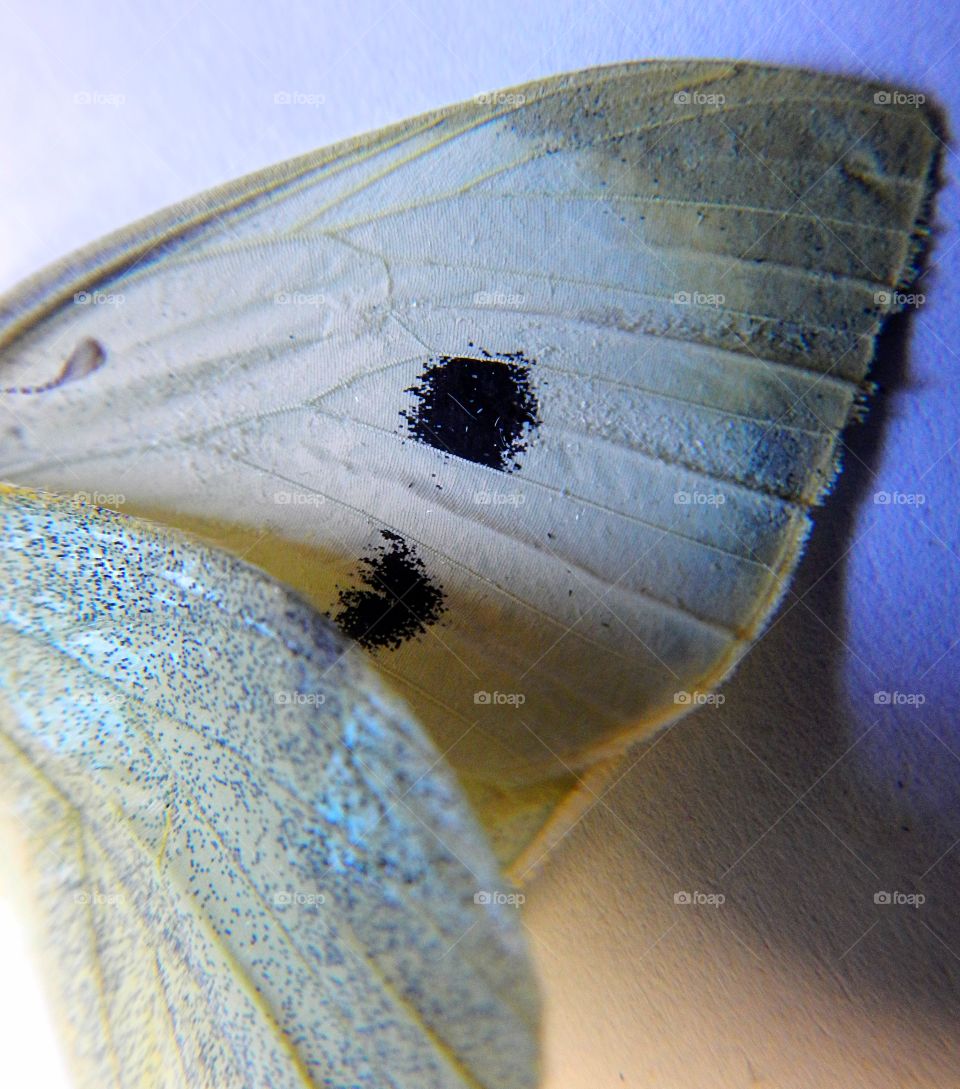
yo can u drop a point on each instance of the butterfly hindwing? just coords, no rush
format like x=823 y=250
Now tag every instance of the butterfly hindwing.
x=249 y=865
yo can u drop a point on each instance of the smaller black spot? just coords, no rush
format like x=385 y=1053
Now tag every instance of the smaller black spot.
x=398 y=599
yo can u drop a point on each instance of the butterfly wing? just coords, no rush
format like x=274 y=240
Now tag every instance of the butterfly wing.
x=531 y=395
x=248 y=866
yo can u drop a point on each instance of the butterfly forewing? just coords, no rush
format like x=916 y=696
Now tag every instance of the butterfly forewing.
x=531 y=395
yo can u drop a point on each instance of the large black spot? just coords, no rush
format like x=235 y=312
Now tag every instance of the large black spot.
x=481 y=409
x=397 y=600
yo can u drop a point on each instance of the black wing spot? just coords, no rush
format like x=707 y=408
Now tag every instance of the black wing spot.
x=398 y=599
x=482 y=409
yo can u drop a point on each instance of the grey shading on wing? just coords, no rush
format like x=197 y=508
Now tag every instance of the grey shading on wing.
x=243 y=862
x=693 y=257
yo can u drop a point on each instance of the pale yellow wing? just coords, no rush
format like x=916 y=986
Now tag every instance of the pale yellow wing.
x=246 y=865
x=531 y=395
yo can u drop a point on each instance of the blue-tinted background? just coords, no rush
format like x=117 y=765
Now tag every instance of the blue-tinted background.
x=801 y=796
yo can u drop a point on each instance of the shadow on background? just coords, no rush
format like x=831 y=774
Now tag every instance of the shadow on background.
x=798 y=800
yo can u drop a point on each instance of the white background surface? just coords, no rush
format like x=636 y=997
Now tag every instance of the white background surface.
x=799 y=797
